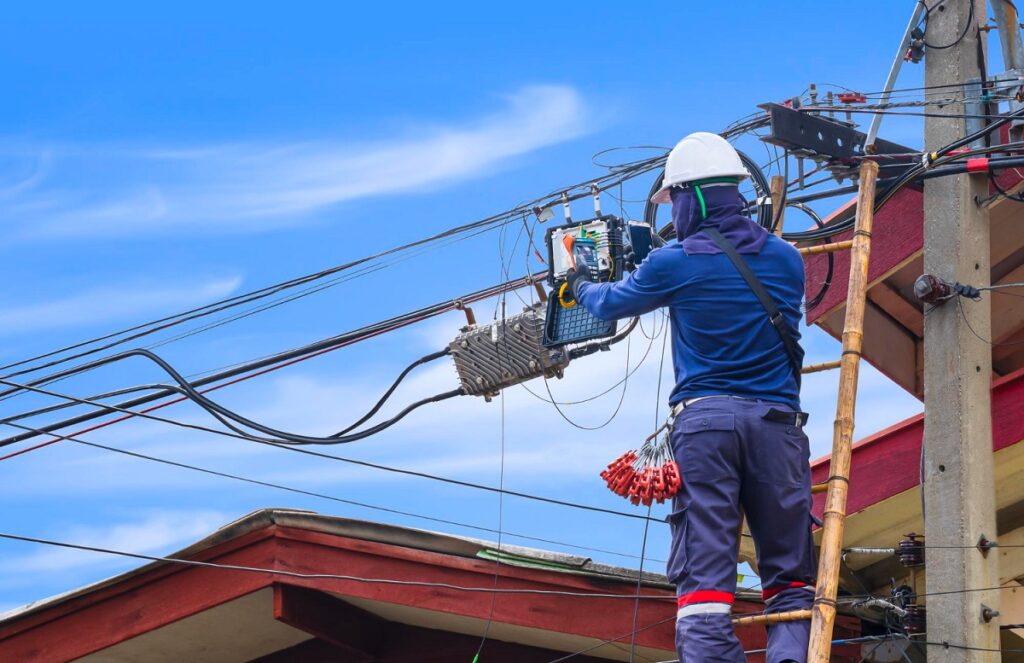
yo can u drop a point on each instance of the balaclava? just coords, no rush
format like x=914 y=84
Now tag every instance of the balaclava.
x=722 y=209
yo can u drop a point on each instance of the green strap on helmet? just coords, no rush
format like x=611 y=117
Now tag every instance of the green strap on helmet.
x=712 y=180
x=700 y=197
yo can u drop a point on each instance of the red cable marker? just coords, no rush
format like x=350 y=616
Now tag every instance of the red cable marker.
x=851 y=98
x=977 y=165
x=648 y=475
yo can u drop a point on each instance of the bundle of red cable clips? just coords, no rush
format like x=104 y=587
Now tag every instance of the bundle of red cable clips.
x=648 y=475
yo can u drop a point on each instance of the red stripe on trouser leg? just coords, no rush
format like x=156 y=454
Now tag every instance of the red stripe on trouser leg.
x=705 y=596
x=772 y=592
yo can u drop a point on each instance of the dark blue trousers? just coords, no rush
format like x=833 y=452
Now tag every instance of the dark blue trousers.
x=732 y=458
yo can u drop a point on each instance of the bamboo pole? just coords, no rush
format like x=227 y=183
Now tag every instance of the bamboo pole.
x=777 y=187
x=826 y=248
x=817 y=368
x=776 y=618
x=824 y=610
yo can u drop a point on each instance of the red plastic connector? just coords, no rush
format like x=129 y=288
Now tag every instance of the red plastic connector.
x=851 y=98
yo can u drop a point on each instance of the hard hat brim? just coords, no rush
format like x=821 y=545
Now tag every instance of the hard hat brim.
x=664 y=194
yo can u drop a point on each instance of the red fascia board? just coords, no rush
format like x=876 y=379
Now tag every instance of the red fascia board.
x=167 y=593
x=598 y=617
x=887 y=463
x=898 y=233
x=164 y=594
x=115 y=613
x=385 y=551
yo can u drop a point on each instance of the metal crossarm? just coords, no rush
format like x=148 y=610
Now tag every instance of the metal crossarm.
x=823 y=613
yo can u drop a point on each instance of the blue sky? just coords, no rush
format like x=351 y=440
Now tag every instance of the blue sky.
x=152 y=160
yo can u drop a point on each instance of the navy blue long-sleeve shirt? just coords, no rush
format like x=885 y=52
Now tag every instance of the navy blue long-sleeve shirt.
x=722 y=341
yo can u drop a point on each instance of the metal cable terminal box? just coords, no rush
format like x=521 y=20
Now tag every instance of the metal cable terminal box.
x=490 y=357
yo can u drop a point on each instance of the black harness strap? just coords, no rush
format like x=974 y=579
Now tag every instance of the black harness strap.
x=770 y=307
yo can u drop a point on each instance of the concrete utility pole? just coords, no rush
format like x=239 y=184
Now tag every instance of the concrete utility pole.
x=959 y=486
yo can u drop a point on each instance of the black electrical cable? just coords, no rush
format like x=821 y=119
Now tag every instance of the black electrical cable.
x=326 y=456
x=152 y=387
x=579 y=190
x=267 y=363
x=650 y=207
x=762 y=190
x=967 y=25
x=387 y=394
x=830 y=268
x=1016 y=197
x=942 y=166
x=283 y=437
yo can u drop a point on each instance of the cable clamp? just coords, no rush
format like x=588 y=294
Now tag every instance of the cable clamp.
x=968 y=291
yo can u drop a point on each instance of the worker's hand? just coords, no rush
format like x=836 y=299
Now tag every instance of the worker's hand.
x=574 y=277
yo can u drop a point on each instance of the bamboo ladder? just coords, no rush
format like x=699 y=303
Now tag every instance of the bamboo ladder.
x=823 y=614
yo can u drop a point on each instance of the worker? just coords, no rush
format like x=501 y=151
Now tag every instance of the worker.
x=738 y=429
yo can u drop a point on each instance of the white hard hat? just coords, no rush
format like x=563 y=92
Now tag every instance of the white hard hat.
x=699 y=156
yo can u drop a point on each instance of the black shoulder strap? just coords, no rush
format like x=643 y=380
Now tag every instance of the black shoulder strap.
x=770 y=307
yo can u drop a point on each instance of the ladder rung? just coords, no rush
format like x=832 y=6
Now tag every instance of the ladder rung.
x=776 y=618
x=826 y=248
x=819 y=488
x=826 y=366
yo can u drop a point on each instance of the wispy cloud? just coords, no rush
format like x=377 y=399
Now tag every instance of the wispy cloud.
x=105 y=190
x=109 y=304
x=156 y=532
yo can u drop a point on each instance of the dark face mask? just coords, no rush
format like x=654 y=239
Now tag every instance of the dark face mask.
x=686 y=213
x=723 y=209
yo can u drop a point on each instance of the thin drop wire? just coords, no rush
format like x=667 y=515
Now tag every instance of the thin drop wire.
x=647 y=523
x=310 y=493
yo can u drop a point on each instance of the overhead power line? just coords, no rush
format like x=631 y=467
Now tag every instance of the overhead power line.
x=261 y=366
x=568 y=193
x=318 y=454
x=309 y=493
